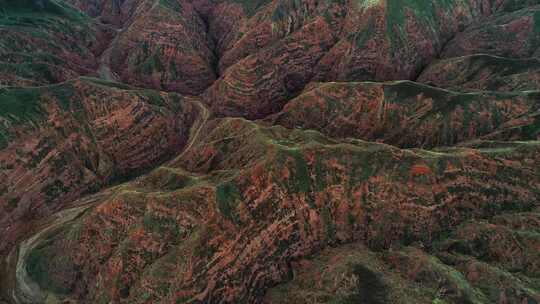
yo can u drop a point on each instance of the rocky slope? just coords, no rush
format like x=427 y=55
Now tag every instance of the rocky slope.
x=408 y=114
x=358 y=41
x=269 y=151
x=227 y=218
x=483 y=73
x=44 y=42
x=165 y=47
x=63 y=141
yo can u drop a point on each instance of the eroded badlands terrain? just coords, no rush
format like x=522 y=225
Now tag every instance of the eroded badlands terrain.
x=270 y=151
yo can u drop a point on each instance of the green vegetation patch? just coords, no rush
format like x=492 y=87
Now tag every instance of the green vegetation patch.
x=362 y=37
x=303 y=181
x=299 y=181
x=34 y=12
x=536 y=19
x=53 y=272
x=425 y=11
x=12 y=204
x=55 y=189
x=18 y=106
x=513 y=5
x=370 y=288
x=227 y=198
x=161 y=225
x=329 y=224
x=41 y=72
x=33 y=6
x=171 y=4
x=153 y=97
x=34 y=31
x=152 y=64
x=532 y=131
x=64 y=94
x=251 y=6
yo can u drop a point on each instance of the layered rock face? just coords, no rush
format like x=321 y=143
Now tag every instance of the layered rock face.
x=408 y=114
x=45 y=42
x=227 y=219
x=298 y=42
x=62 y=141
x=165 y=47
x=269 y=151
x=483 y=73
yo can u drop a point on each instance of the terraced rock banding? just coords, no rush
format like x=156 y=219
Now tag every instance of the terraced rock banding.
x=277 y=196
x=269 y=151
x=63 y=141
x=409 y=114
x=483 y=72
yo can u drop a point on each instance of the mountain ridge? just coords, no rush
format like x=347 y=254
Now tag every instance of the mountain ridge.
x=269 y=151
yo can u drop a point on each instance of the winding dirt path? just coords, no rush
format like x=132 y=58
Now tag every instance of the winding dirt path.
x=26 y=291
x=104 y=71
x=205 y=115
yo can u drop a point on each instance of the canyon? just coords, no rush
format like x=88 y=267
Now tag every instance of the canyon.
x=270 y=151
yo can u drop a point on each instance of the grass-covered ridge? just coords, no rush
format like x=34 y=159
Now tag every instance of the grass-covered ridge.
x=44 y=41
x=18 y=106
x=51 y=7
x=410 y=114
x=483 y=72
x=316 y=191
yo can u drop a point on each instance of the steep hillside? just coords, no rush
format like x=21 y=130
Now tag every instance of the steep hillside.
x=224 y=221
x=63 y=141
x=408 y=114
x=270 y=151
x=515 y=35
x=164 y=47
x=44 y=42
x=484 y=73
x=359 y=41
